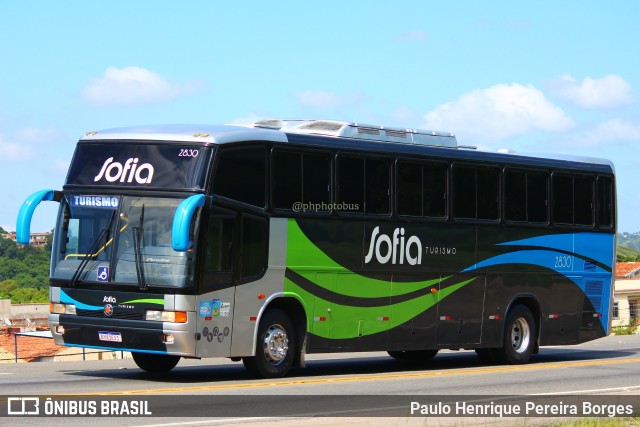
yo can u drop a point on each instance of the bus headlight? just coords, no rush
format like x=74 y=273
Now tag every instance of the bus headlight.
x=59 y=308
x=167 y=316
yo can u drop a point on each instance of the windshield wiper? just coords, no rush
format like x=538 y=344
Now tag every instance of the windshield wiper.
x=138 y=232
x=104 y=234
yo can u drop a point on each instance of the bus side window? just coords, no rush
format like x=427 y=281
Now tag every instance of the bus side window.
x=253 y=258
x=241 y=175
x=605 y=202
x=218 y=262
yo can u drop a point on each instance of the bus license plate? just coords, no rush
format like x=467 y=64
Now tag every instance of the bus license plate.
x=110 y=336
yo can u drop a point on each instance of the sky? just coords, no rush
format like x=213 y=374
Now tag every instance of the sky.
x=539 y=77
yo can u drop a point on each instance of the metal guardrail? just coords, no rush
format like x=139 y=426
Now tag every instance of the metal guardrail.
x=44 y=335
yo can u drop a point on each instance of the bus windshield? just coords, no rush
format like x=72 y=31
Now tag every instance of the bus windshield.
x=120 y=240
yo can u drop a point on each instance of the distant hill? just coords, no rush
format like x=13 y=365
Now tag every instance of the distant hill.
x=629 y=240
x=626 y=254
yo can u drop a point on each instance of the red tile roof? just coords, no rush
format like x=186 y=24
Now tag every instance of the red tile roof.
x=624 y=269
x=29 y=348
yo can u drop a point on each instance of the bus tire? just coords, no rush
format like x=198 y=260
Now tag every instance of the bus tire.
x=413 y=355
x=155 y=363
x=275 y=346
x=519 y=337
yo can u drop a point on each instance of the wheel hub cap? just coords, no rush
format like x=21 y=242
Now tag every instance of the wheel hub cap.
x=276 y=344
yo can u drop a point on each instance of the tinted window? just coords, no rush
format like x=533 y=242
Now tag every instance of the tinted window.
x=286 y=182
x=219 y=238
x=488 y=185
x=351 y=182
x=316 y=180
x=409 y=188
x=537 y=196
x=254 y=246
x=605 y=202
x=363 y=184
x=241 y=175
x=573 y=200
x=377 y=186
x=476 y=192
x=515 y=188
x=434 y=190
x=562 y=199
x=525 y=196
x=464 y=192
x=583 y=200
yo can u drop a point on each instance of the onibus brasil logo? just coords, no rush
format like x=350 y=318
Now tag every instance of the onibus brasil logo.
x=394 y=249
x=115 y=171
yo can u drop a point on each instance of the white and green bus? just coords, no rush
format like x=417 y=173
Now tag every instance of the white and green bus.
x=269 y=241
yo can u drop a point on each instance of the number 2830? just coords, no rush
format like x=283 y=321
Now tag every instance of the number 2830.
x=563 y=262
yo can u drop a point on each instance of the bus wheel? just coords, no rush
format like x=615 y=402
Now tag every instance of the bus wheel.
x=519 y=337
x=275 y=346
x=413 y=355
x=155 y=362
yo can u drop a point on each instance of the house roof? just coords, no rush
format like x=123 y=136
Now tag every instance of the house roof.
x=627 y=269
x=29 y=348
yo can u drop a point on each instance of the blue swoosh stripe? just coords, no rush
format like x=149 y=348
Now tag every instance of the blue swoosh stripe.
x=66 y=299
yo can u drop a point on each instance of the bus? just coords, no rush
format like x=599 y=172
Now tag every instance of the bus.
x=273 y=240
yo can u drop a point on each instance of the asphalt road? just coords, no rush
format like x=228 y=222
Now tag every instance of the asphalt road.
x=332 y=382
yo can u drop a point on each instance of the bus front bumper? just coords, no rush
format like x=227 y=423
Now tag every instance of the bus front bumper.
x=124 y=335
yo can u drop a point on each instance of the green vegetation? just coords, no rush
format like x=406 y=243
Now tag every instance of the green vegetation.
x=24 y=272
x=628 y=247
x=625 y=330
x=626 y=254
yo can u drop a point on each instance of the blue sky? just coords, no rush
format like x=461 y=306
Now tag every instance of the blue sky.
x=546 y=76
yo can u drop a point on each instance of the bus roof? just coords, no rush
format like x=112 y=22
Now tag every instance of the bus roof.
x=370 y=137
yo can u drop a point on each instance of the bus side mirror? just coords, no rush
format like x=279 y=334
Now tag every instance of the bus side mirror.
x=182 y=222
x=23 y=226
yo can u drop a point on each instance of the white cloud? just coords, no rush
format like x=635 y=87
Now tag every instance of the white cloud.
x=609 y=91
x=133 y=85
x=318 y=99
x=614 y=131
x=485 y=116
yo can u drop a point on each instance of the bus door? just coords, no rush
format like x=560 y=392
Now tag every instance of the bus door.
x=216 y=298
x=461 y=312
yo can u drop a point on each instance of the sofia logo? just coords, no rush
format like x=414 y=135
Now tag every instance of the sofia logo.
x=396 y=249
x=130 y=171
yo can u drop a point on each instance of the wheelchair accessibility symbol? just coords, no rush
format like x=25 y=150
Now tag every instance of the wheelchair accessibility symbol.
x=103 y=274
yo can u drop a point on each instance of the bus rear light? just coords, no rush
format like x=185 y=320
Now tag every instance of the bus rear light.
x=166 y=316
x=59 y=308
